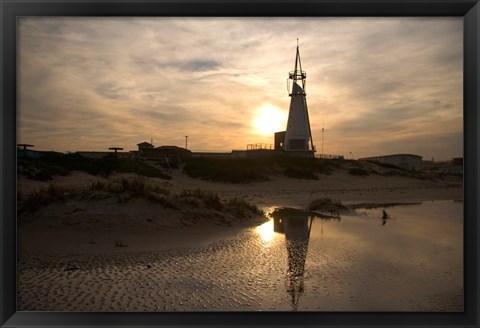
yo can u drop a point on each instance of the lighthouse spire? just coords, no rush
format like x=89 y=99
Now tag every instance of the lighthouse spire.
x=298 y=135
x=298 y=76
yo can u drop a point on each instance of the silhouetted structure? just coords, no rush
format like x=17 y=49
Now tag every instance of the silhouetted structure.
x=406 y=161
x=457 y=161
x=169 y=151
x=115 y=149
x=102 y=154
x=298 y=135
x=23 y=152
x=279 y=140
x=24 y=146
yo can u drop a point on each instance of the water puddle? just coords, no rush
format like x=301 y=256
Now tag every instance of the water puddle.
x=370 y=252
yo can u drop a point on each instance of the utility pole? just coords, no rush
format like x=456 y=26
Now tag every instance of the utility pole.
x=323 y=134
x=186 y=142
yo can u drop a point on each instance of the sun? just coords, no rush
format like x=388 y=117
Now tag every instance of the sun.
x=269 y=120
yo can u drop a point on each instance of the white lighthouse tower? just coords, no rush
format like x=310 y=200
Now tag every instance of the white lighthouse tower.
x=298 y=136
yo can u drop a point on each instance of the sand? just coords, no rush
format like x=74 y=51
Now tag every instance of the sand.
x=96 y=226
x=137 y=257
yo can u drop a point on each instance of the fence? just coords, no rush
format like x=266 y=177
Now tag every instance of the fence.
x=327 y=156
x=260 y=146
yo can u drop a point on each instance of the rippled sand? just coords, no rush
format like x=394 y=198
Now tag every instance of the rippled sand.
x=343 y=272
x=222 y=276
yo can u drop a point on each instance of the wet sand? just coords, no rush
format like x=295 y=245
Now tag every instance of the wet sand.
x=216 y=267
x=251 y=272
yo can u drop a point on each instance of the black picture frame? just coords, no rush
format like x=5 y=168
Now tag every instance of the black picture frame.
x=10 y=10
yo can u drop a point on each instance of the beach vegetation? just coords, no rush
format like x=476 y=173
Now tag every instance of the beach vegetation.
x=126 y=189
x=162 y=199
x=210 y=199
x=226 y=170
x=39 y=198
x=245 y=170
x=357 y=171
x=45 y=168
x=242 y=205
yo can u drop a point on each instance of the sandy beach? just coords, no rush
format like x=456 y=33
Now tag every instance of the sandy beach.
x=138 y=256
x=142 y=226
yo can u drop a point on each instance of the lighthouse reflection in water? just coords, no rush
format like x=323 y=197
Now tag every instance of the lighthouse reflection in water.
x=296 y=225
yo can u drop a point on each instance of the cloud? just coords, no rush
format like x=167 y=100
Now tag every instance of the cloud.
x=85 y=83
x=196 y=65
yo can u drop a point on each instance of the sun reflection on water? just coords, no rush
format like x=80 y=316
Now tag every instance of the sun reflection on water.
x=266 y=231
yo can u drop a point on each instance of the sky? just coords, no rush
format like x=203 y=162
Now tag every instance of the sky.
x=376 y=85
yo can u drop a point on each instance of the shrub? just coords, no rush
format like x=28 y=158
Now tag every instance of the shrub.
x=358 y=171
x=161 y=199
x=240 y=203
x=209 y=199
x=42 y=197
x=44 y=168
x=143 y=169
x=225 y=170
x=244 y=170
x=300 y=173
x=136 y=187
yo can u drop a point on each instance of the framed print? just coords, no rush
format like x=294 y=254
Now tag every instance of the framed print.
x=223 y=163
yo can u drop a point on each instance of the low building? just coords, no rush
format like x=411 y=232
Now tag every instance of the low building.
x=279 y=139
x=455 y=167
x=27 y=153
x=406 y=161
x=145 y=145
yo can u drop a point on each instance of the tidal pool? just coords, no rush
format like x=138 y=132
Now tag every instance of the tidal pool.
x=297 y=261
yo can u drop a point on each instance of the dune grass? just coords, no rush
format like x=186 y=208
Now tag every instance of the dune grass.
x=209 y=199
x=37 y=199
x=241 y=204
x=126 y=189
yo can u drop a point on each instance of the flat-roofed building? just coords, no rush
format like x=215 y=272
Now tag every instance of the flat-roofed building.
x=406 y=161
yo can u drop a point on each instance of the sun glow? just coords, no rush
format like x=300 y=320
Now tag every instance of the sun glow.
x=269 y=120
x=266 y=231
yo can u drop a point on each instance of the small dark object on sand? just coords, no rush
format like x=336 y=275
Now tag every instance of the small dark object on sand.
x=71 y=268
x=384 y=215
x=148 y=266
